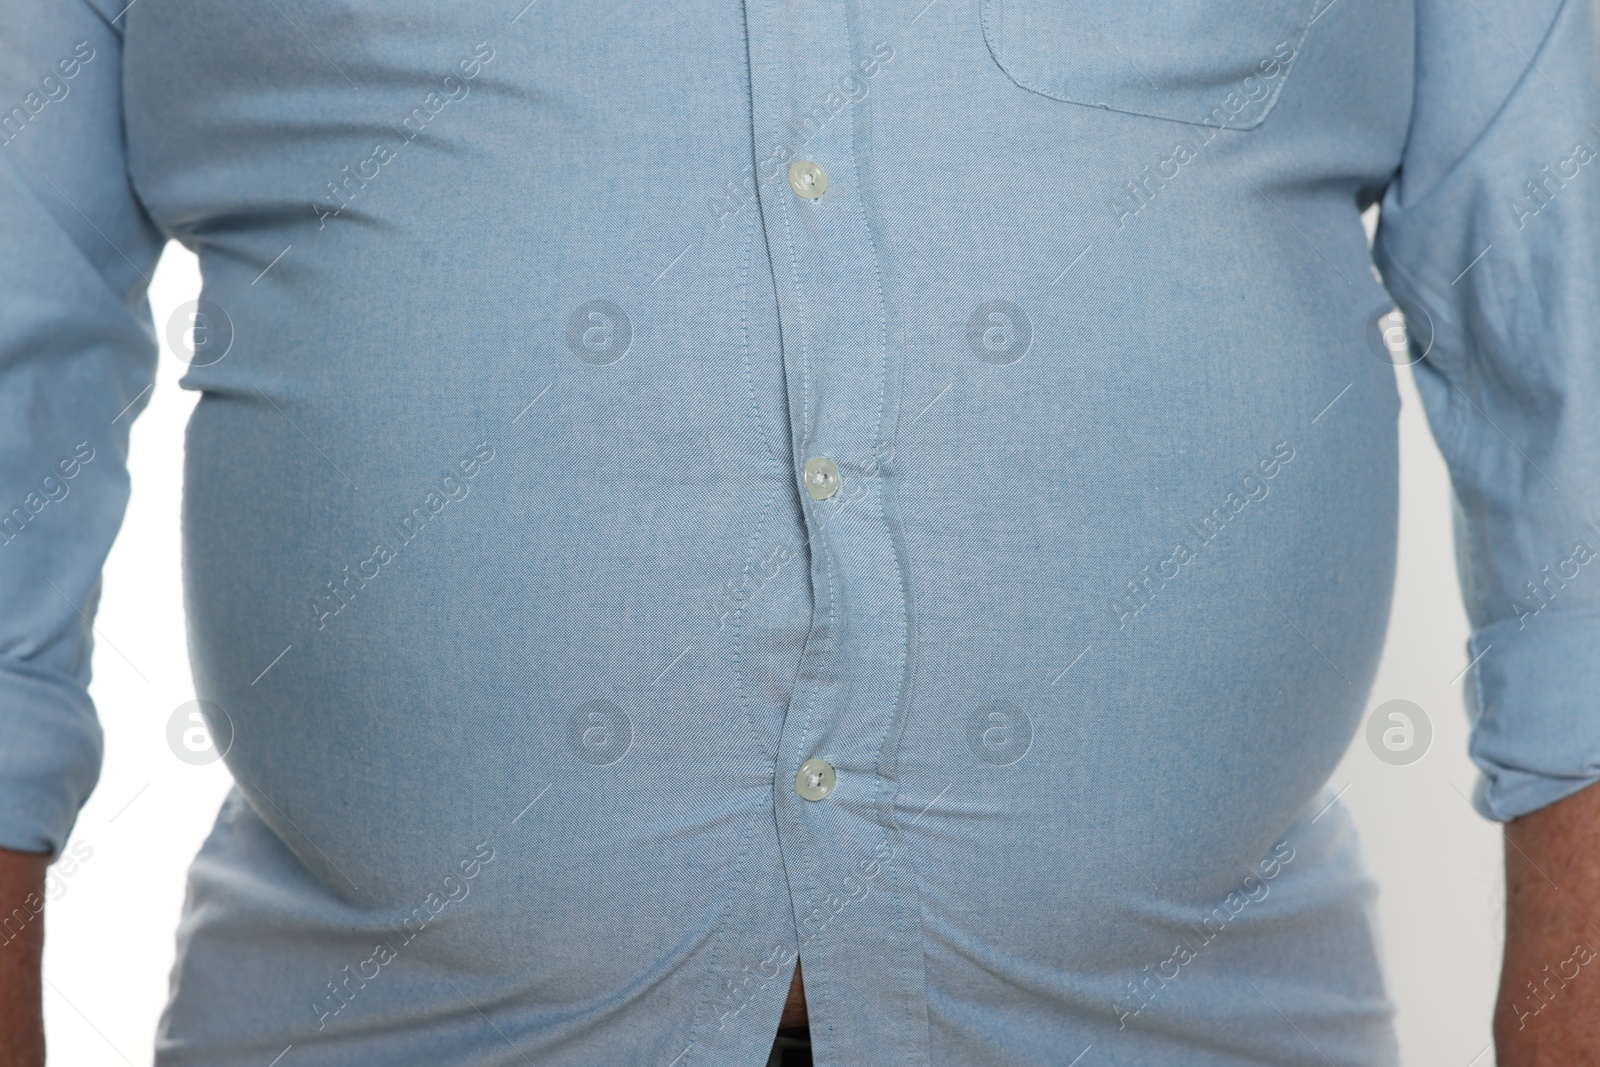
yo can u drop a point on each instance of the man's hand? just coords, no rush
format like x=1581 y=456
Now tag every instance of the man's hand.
x=1549 y=1009
x=21 y=942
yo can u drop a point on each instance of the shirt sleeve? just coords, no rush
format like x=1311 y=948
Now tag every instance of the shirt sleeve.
x=1489 y=240
x=77 y=360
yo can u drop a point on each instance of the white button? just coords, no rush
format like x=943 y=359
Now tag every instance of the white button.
x=808 y=179
x=822 y=477
x=815 y=779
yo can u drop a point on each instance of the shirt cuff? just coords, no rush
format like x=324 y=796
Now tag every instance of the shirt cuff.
x=50 y=750
x=1535 y=708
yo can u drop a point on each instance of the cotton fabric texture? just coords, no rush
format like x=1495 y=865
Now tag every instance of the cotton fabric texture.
x=517 y=617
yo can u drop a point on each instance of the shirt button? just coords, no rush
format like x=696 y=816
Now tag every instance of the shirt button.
x=807 y=179
x=822 y=477
x=815 y=779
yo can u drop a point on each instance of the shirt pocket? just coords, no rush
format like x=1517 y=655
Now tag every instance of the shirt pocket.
x=1218 y=62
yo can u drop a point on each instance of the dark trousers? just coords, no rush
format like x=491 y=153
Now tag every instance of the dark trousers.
x=791 y=1049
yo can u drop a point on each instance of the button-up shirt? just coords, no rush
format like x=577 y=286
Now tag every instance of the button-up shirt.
x=679 y=488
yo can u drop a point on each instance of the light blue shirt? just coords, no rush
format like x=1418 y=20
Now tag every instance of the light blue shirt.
x=681 y=486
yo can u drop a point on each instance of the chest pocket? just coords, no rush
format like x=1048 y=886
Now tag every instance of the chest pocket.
x=1220 y=62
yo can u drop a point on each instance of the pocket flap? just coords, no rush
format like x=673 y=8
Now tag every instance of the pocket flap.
x=1218 y=62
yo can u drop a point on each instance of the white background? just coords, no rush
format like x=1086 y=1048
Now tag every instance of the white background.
x=110 y=945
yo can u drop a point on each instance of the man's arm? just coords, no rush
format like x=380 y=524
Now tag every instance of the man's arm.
x=1549 y=1009
x=77 y=359
x=1490 y=240
x=21 y=943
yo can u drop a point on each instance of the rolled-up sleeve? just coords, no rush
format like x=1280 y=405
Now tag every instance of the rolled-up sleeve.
x=1490 y=241
x=77 y=360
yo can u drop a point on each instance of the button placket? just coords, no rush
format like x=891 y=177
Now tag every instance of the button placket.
x=864 y=959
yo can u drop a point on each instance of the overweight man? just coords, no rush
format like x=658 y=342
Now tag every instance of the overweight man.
x=848 y=533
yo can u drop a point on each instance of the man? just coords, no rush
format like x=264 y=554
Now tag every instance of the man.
x=683 y=490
